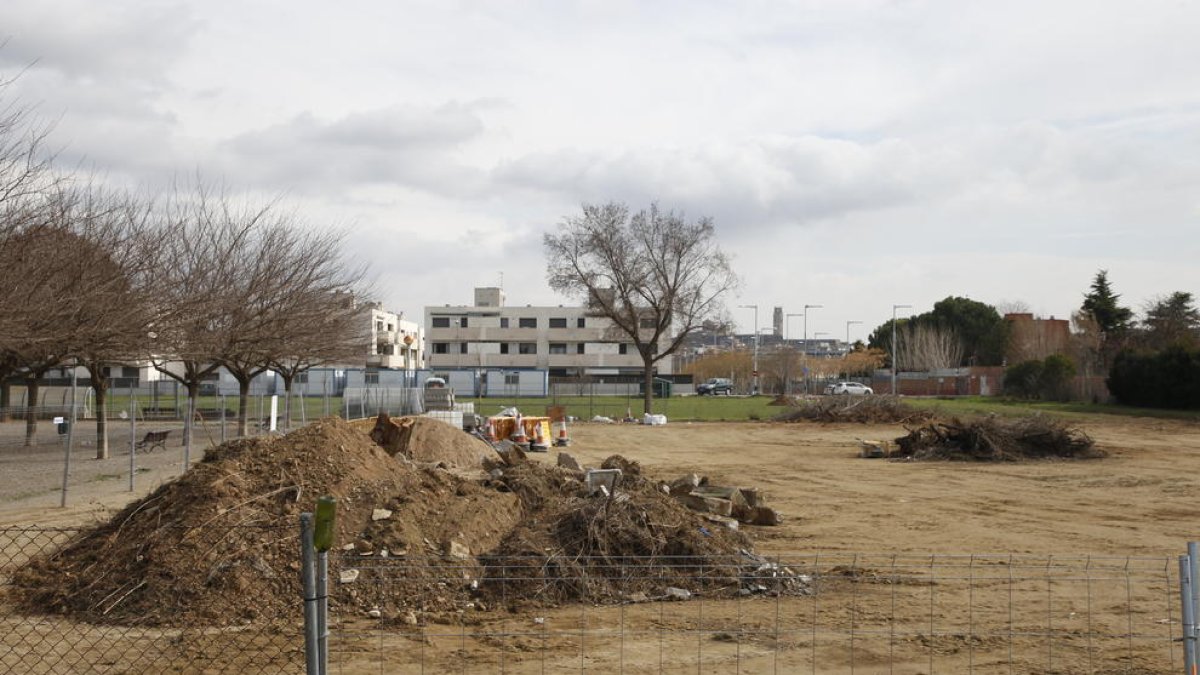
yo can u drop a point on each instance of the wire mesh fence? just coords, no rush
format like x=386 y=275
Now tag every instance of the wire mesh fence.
x=870 y=613
x=33 y=641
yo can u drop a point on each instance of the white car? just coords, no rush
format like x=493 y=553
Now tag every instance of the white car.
x=849 y=389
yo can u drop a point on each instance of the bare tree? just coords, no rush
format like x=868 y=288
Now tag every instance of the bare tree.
x=924 y=347
x=203 y=234
x=654 y=275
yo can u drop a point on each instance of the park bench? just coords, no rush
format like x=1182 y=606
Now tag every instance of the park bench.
x=154 y=439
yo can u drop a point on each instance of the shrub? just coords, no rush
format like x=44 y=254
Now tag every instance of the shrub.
x=1165 y=379
x=1047 y=379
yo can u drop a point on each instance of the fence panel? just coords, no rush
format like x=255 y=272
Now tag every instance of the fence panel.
x=32 y=642
x=896 y=613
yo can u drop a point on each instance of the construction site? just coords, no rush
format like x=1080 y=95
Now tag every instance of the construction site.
x=539 y=545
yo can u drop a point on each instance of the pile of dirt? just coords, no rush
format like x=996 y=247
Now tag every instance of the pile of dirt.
x=855 y=410
x=637 y=542
x=426 y=440
x=996 y=439
x=217 y=545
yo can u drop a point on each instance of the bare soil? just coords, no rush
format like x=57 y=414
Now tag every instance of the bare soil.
x=1137 y=501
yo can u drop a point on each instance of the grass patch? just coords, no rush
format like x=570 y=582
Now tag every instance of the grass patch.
x=985 y=405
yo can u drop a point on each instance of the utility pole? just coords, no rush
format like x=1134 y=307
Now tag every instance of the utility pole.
x=787 y=320
x=848 y=346
x=754 y=385
x=895 y=352
x=805 y=361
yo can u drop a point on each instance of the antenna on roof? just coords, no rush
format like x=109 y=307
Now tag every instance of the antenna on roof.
x=501 y=279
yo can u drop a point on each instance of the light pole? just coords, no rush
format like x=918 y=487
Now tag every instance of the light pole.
x=895 y=352
x=754 y=384
x=787 y=321
x=806 y=308
x=848 y=346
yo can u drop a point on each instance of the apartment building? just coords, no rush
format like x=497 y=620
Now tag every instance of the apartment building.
x=391 y=342
x=566 y=341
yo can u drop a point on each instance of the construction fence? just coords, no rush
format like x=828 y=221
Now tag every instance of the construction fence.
x=868 y=612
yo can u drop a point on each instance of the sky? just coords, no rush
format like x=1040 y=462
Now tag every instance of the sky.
x=853 y=154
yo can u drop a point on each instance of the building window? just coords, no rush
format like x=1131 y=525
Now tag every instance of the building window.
x=580 y=323
x=371 y=377
x=441 y=322
x=558 y=348
x=527 y=348
x=504 y=322
x=512 y=378
x=462 y=348
x=527 y=323
x=379 y=325
x=646 y=323
x=503 y=347
x=622 y=348
x=462 y=322
x=579 y=348
x=301 y=378
x=129 y=371
x=558 y=323
x=441 y=348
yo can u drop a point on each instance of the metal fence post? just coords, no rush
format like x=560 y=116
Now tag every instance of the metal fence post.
x=132 y=438
x=1188 y=614
x=222 y=403
x=308 y=579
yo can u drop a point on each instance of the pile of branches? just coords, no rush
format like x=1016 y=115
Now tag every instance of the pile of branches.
x=855 y=410
x=994 y=439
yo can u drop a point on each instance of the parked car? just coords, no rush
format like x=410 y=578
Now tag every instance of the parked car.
x=715 y=386
x=848 y=389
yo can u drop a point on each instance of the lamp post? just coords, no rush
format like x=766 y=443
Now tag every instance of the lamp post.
x=848 y=346
x=754 y=384
x=806 y=308
x=787 y=321
x=895 y=352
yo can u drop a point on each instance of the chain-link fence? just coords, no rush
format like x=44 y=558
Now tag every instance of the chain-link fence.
x=32 y=641
x=873 y=613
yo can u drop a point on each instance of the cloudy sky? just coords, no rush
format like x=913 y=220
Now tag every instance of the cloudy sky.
x=854 y=155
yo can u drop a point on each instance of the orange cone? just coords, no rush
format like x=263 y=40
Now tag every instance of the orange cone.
x=490 y=431
x=519 y=434
x=539 y=439
x=562 y=441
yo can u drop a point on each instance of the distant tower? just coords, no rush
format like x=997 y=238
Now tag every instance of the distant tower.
x=778 y=322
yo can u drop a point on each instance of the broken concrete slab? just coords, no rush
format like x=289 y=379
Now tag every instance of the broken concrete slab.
x=348 y=576
x=714 y=505
x=608 y=478
x=458 y=550
x=381 y=514
x=684 y=484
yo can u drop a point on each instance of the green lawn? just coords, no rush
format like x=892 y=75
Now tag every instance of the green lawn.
x=983 y=405
x=698 y=408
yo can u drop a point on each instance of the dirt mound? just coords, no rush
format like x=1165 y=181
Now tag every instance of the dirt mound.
x=426 y=440
x=217 y=545
x=995 y=439
x=856 y=410
x=602 y=549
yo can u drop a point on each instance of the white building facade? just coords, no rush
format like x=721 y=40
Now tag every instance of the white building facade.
x=392 y=342
x=565 y=341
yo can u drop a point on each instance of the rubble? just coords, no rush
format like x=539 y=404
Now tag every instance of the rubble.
x=568 y=462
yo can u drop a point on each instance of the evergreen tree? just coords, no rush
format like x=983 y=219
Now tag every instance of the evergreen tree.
x=1101 y=305
x=1172 y=319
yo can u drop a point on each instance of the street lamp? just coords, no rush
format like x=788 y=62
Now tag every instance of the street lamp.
x=788 y=323
x=806 y=308
x=848 y=346
x=895 y=352
x=754 y=385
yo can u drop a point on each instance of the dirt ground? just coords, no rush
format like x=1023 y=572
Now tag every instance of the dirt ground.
x=1090 y=588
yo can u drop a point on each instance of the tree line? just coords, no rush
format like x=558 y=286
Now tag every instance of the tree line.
x=189 y=279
